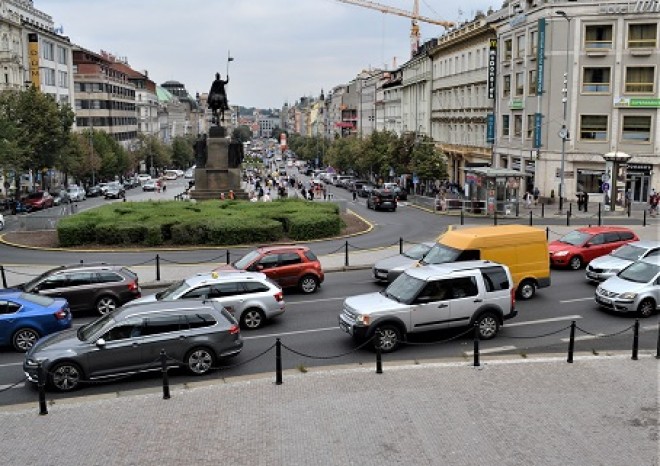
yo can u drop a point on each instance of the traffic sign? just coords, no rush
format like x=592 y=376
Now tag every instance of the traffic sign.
x=606 y=187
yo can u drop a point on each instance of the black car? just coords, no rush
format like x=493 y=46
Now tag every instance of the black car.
x=86 y=287
x=115 y=191
x=93 y=191
x=382 y=199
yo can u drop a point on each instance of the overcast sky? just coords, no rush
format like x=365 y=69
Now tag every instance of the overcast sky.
x=282 y=49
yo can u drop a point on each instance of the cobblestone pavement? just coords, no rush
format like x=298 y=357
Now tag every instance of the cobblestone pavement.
x=596 y=411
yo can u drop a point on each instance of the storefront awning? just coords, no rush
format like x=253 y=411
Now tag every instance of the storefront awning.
x=494 y=172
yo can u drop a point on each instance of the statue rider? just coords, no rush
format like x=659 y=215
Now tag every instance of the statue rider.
x=217 y=100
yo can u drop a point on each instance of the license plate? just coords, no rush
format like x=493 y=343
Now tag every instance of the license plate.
x=604 y=300
x=591 y=275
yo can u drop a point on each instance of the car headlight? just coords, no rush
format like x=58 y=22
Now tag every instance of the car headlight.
x=561 y=253
x=628 y=295
x=363 y=319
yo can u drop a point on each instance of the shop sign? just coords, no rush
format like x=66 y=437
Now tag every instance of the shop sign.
x=516 y=104
x=639 y=7
x=492 y=68
x=540 y=57
x=490 y=128
x=567 y=173
x=538 y=120
x=637 y=102
x=644 y=168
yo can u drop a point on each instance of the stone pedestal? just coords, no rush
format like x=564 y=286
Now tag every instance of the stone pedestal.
x=217 y=177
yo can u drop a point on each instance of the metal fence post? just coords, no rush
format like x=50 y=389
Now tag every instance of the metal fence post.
x=518 y=209
x=400 y=245
x=41 y=382
x=568 y=218
x=495 y=217
x=635 y=348
x=278 y=362
x=379 y=355
x=4 y=278
x=547 y=233
x=600 y=219
x=476 y=362
x=346 y=254
x=228 y=257
x=644 y=220
x=462 y=217
x=157 y=267
x=570 y=208
x=531 y=221
x=629 y=208
x=571 y=343
x=657 y=349
x=542 y=209
x=166 y=379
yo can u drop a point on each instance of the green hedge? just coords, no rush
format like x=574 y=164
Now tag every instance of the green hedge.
x=200 y=223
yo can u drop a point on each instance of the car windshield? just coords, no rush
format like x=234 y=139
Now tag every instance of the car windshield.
x=417 y=252
x=35 y=281
x=439 y=254
x=404 y=288
x=175 y=289
x=576 y=238
x=246 y=260
x=35 y=196
x=628 y=252
x=87 y=331
x=640 y=272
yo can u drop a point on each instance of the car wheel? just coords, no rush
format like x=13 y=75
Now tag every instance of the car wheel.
x=24 y=339
x=487 y=325
x=388 y=337
x=2 y=226
x=526 y=289
x=199 y=361
x=106 y=304
x=575 y=263
x=65 y=376
x=646 y=308
x=308 y=284
x=252 y=318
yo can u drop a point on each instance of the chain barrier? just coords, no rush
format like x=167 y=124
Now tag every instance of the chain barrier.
x=9 y=387
x=340 y=248
x=25 y=274
x=213 y=259
x=231 y=366
x=606 y=335
x=541 y=335
x=145 y=367
x=437 y=342
x=359 y=247
x=141 y=263
x=310 y=356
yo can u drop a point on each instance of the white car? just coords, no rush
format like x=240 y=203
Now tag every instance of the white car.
x=143 y=177
x=2 y=222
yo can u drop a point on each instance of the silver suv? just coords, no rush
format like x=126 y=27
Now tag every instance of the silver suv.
x=250 y=297
x=635 y=289
x=194 y=335
x=433 y=297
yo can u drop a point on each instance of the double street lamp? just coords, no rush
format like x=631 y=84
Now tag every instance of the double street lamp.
x=563 y=132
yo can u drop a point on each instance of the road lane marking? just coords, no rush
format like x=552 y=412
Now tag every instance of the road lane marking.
x=585 y=337
x=297 y=332
x=542 y=321
x=310 y=301
x=11 y=364
x=5 y=387
x=591 y=298
x=492 y=350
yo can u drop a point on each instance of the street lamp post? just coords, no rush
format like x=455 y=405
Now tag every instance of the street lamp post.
x=563 y=132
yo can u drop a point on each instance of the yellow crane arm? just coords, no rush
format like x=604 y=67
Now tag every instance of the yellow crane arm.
x=397 y=11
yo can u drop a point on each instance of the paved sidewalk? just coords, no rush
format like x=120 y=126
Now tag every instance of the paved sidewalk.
x=596 y=411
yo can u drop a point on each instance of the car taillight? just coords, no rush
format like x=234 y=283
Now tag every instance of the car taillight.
x=513 y=297
x=133 y=286
x=61 y=314
x=279 y=296
x=234 y=330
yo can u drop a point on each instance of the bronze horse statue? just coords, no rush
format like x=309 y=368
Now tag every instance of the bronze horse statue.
x=217 y=100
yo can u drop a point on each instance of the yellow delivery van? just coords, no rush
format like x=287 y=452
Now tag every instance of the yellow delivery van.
x=523 y=249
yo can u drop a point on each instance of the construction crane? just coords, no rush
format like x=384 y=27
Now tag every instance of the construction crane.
x=414 y=15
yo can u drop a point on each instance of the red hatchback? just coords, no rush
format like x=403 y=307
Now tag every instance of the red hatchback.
x=288 y=266
x=581 y=246
x=38 y=200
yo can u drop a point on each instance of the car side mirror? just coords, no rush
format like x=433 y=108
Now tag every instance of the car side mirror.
x=100 y=343
x=587 y=245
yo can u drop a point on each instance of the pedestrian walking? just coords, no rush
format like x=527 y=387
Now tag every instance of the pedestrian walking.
x=354 y=195
x=325 y=194
x=653 y=203
x=580 y=200
x=303 y=192
x=232 y=196
x=537 y=193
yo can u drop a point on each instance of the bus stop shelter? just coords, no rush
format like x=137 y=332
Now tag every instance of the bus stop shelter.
x=489 y=190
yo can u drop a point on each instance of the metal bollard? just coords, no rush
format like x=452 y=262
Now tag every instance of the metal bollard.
x=547 y=233
x=518 y=209
x=81 y=261
x=228 y=259
x=166 y=379
x=379 y=356
x=542 y=210
x=570 y=209
x=629 y=208
x=495 y=218
x=278 y=362
x=462 y=217
x=635 y=348
x=476 y=362
x=644 y=219
x=571 y=343
x=346 y=254
x=600 y=219
x=4 y=277
x=568 y=218
x=400 y=245
x=657 y=349
x=41 y=382
x=157 y=267
x=531 y=221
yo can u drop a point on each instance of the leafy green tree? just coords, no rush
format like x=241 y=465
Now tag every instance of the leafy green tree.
x=376 y=154
x=341 y=154
x=182 y=152
x=426 y=162
x=242 y=133
x=149 y=149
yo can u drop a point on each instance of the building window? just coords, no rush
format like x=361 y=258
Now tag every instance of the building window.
x=639 y=79
x=533 y=39
x=506 y=124
x=520 y=46
x=636 y=128
x=530 y=127
x=63 y=79
x=642 y=36
x=598 y=36
x=49 y=76
x=520 y=83
x=593 y=127
x=48 y=50
x=508 y=49
x=61 y=55
x=531 y=83
x=517 y=125
x=596 y=80
x=506 y=85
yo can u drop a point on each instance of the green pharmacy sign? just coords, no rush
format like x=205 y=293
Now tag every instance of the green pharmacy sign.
x=637 y=102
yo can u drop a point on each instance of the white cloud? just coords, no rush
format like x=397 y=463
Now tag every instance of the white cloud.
x=283 y=49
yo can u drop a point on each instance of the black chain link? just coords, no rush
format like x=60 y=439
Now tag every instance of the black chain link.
x=9 y=387
x=605 y=335
x=541 y=335
x=310 y=356
x=437 y=342
x=247 y=360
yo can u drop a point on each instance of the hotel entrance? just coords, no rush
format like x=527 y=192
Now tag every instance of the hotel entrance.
x=638 y=181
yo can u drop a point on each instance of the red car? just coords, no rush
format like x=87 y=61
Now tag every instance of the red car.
x=39 y=200
x=288 y=266
x=579 y=247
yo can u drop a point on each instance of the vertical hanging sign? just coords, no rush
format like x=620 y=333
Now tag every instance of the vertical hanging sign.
x=33 y=52
x=540 y=57
x=490 y=128
x=492 y=68
x=538 y=121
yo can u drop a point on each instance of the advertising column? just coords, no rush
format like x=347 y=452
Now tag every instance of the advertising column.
x=33 y=52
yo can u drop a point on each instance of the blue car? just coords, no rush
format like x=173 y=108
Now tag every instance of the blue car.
x=26 y=317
